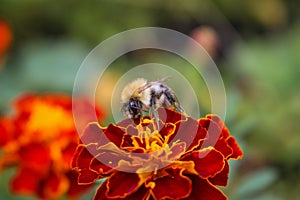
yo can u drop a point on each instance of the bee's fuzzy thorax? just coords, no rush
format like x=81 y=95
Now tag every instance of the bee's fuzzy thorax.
x=141 y=96
x=131 y=88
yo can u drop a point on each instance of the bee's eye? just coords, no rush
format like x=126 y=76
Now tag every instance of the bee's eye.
x=132 y=104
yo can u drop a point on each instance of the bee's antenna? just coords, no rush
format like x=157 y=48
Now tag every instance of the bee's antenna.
x=164 y=79
x=144 y=87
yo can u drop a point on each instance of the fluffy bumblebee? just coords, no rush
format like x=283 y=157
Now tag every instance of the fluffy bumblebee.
x=141 y=96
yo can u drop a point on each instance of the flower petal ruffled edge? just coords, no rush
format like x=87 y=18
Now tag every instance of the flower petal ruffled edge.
x=208 y=162
x=202 y=189
x=142 y=193
x=167 y=186
x=122 y=184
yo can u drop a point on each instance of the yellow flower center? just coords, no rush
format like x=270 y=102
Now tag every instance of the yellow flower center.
x=46 y=121
x=152 y=140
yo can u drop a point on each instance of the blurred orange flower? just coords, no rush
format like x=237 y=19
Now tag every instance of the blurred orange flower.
x=5 y=38
x=185 y=159
x=40 y=139
x=208 y=38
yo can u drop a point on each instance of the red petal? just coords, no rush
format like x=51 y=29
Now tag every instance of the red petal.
x=131 y=130
x=140 y=141
x=98 y=166
x=213 y=129
x=101 y=192
x=216 y=119
x=68 y=152
x=74 y=162
x=167 y=129
x=86 y=177
x=201 y=135
x=223 y=147
x=167 y=115
x=222 y=177
x=187 y=132
x=36 y=156
x=122 y=184
x=176 y=150
x=83 y=156
x=237 y=152
x=127 y=122
x=208 y=162
x=225 y=132
x=6 y=130
x=54 y=185
x=75 y=189
x=141 y=194
x=147 y=122
x=203 y=190
x=22 y=102
x=93 y=133
x=197 y=134
x=173 y=186
x=114 y=134
x=214 y=125
x=81 y=161
x=26 y=181
x=127 y=141
x=105 y=162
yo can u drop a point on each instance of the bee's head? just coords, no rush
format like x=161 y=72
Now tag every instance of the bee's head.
x=132 y=109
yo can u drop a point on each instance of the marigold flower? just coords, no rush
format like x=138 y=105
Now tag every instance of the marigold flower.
x=40 y=139
x=185 y=159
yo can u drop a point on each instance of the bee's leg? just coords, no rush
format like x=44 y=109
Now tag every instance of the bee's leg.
x=173 y=101
x=154 y=111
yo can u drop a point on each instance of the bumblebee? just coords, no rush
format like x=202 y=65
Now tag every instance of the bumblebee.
x=141 y=96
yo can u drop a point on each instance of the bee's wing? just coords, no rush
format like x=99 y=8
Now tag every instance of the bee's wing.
x=150 y=83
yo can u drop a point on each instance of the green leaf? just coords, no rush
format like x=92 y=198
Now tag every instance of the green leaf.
x=256 y=182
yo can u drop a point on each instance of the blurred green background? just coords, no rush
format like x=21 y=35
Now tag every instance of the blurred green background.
x=255 y=44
